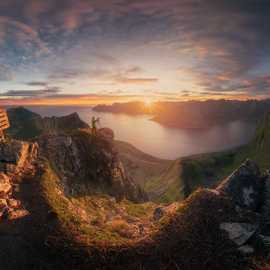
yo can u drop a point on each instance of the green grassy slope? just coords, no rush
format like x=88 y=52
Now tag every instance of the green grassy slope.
x=159 y=177
x=210 y=169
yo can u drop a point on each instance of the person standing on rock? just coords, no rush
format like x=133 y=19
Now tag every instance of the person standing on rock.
x=94 y=123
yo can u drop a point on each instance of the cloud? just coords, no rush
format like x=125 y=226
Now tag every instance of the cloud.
x=256 y=86
x=31 y=93
x=36 y=83
x=221 y=42
x=66 y=74
x=5 y=73
x=24 y=36
x=137 y=80
x=116 y=75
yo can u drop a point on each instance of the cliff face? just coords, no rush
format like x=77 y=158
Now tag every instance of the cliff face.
x=89 y=164
x=68 y=122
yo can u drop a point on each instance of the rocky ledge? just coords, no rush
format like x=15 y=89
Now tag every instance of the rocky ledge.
x=16 y=162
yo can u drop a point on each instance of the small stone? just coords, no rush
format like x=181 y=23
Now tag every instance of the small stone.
x=3 y=206
x=158 y=213
x=5 y=186
x=14 y=203
x=239 y=233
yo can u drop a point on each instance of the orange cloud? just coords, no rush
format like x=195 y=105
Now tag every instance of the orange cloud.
x=137 y=80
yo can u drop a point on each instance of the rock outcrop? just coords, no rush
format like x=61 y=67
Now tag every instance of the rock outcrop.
x=245 y=186
x=249 y=190
x=88 y=164
x=17 y=160
x=68 y=122
x=239 y=233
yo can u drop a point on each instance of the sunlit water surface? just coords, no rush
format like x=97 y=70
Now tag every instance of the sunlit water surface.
x=160 y=141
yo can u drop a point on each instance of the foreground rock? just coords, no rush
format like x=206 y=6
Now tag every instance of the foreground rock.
x=245 y=186
x=249 y=191
x=239 y=233
x=5 y=185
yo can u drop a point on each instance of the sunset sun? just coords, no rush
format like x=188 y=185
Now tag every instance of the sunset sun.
x=148 y=103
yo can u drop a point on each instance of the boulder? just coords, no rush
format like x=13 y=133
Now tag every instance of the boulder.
x=266 y=204
x=244 y=186
x=106 y=133
x=239 y=233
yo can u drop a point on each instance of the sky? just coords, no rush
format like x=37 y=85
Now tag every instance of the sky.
x=102 y=51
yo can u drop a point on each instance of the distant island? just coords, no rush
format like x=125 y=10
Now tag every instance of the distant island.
x=193 y=114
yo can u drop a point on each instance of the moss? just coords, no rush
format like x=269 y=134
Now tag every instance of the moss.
x=138 y=210
x=71 y=221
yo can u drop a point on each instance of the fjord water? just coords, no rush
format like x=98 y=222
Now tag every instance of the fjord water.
x=158 y=140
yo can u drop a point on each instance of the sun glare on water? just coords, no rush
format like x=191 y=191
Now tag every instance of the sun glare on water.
x=148 y=103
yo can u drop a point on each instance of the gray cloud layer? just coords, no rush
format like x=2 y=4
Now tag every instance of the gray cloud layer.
x=226 y=41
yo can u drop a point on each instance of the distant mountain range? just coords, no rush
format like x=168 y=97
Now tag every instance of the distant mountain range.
x=194 y=114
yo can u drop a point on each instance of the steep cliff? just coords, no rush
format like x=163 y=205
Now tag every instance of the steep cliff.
x=88 y=164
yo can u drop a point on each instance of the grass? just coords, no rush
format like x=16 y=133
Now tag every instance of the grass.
x=138 y=210
x=71 y=220
x=94 y=219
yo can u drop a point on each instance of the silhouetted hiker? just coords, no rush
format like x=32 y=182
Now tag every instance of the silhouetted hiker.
x=94 y=124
